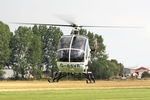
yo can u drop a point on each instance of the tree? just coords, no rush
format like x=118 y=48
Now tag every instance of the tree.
x=35 y=56
x=5 y=36
x=20 y=45
x=50 y=37
x=145 y=75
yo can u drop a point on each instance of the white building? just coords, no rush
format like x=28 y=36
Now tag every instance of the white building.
x=8 y=73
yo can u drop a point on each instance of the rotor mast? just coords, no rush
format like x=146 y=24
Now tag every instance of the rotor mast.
x=76 y=31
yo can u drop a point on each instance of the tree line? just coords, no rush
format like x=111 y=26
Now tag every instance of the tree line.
x=28 y=49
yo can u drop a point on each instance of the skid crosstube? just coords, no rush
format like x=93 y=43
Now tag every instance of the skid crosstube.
x=58 y=75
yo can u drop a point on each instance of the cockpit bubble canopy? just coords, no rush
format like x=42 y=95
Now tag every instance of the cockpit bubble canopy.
x=71 y=48
x=78 y=42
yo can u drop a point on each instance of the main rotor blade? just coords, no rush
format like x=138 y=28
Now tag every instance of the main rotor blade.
x=111 y=26
x=63 y=25
x=74 y=25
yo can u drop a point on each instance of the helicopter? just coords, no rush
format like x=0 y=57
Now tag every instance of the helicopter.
x=74 y=52
x=73 y=56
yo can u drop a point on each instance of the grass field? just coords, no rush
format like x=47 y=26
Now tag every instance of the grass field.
x=79 y=94
x=75 y=90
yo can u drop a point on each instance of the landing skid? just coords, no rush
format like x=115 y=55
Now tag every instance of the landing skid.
x=89 y=77
x=58 y=75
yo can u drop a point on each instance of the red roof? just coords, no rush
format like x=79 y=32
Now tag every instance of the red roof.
x=144 y=68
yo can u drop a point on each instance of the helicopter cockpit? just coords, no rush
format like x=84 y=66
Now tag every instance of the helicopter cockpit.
x=71 y=48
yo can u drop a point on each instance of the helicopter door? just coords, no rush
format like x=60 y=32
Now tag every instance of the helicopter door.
x=77 y=49
x=63 y=49
x=79 y=42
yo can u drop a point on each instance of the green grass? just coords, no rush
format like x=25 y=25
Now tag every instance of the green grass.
x=77 y=94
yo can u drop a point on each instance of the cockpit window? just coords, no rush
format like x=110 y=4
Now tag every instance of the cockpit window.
x=64 y=42
x=79 y=42
x=63 y=55
x=77 y=56
x=71 y=49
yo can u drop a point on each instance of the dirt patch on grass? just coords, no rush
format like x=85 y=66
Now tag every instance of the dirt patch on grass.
x=44 y=85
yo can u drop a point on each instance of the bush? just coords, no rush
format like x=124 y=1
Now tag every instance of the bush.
x=145 y=74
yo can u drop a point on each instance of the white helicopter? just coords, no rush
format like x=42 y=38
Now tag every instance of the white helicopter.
x=73 y=56
x=73 y=53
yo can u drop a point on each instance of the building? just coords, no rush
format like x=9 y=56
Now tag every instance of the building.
x=9 y=73
x=138 y=70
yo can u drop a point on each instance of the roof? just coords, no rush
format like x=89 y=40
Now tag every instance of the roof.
x=143 y=68
x=137 y=68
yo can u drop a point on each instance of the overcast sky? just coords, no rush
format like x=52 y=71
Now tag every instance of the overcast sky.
x=129 y=46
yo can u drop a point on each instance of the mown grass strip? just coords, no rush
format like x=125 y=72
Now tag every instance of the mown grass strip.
x=76 y=94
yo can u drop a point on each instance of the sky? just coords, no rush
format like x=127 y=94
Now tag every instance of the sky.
x=129 y=46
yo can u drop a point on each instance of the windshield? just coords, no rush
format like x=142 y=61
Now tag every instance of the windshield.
x=71 y=51
x=64 y=42
x=79 y=42
x=77 y=56
x=63 y=55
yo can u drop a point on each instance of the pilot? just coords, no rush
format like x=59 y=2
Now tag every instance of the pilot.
x=66 y=45
x=80 y=44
